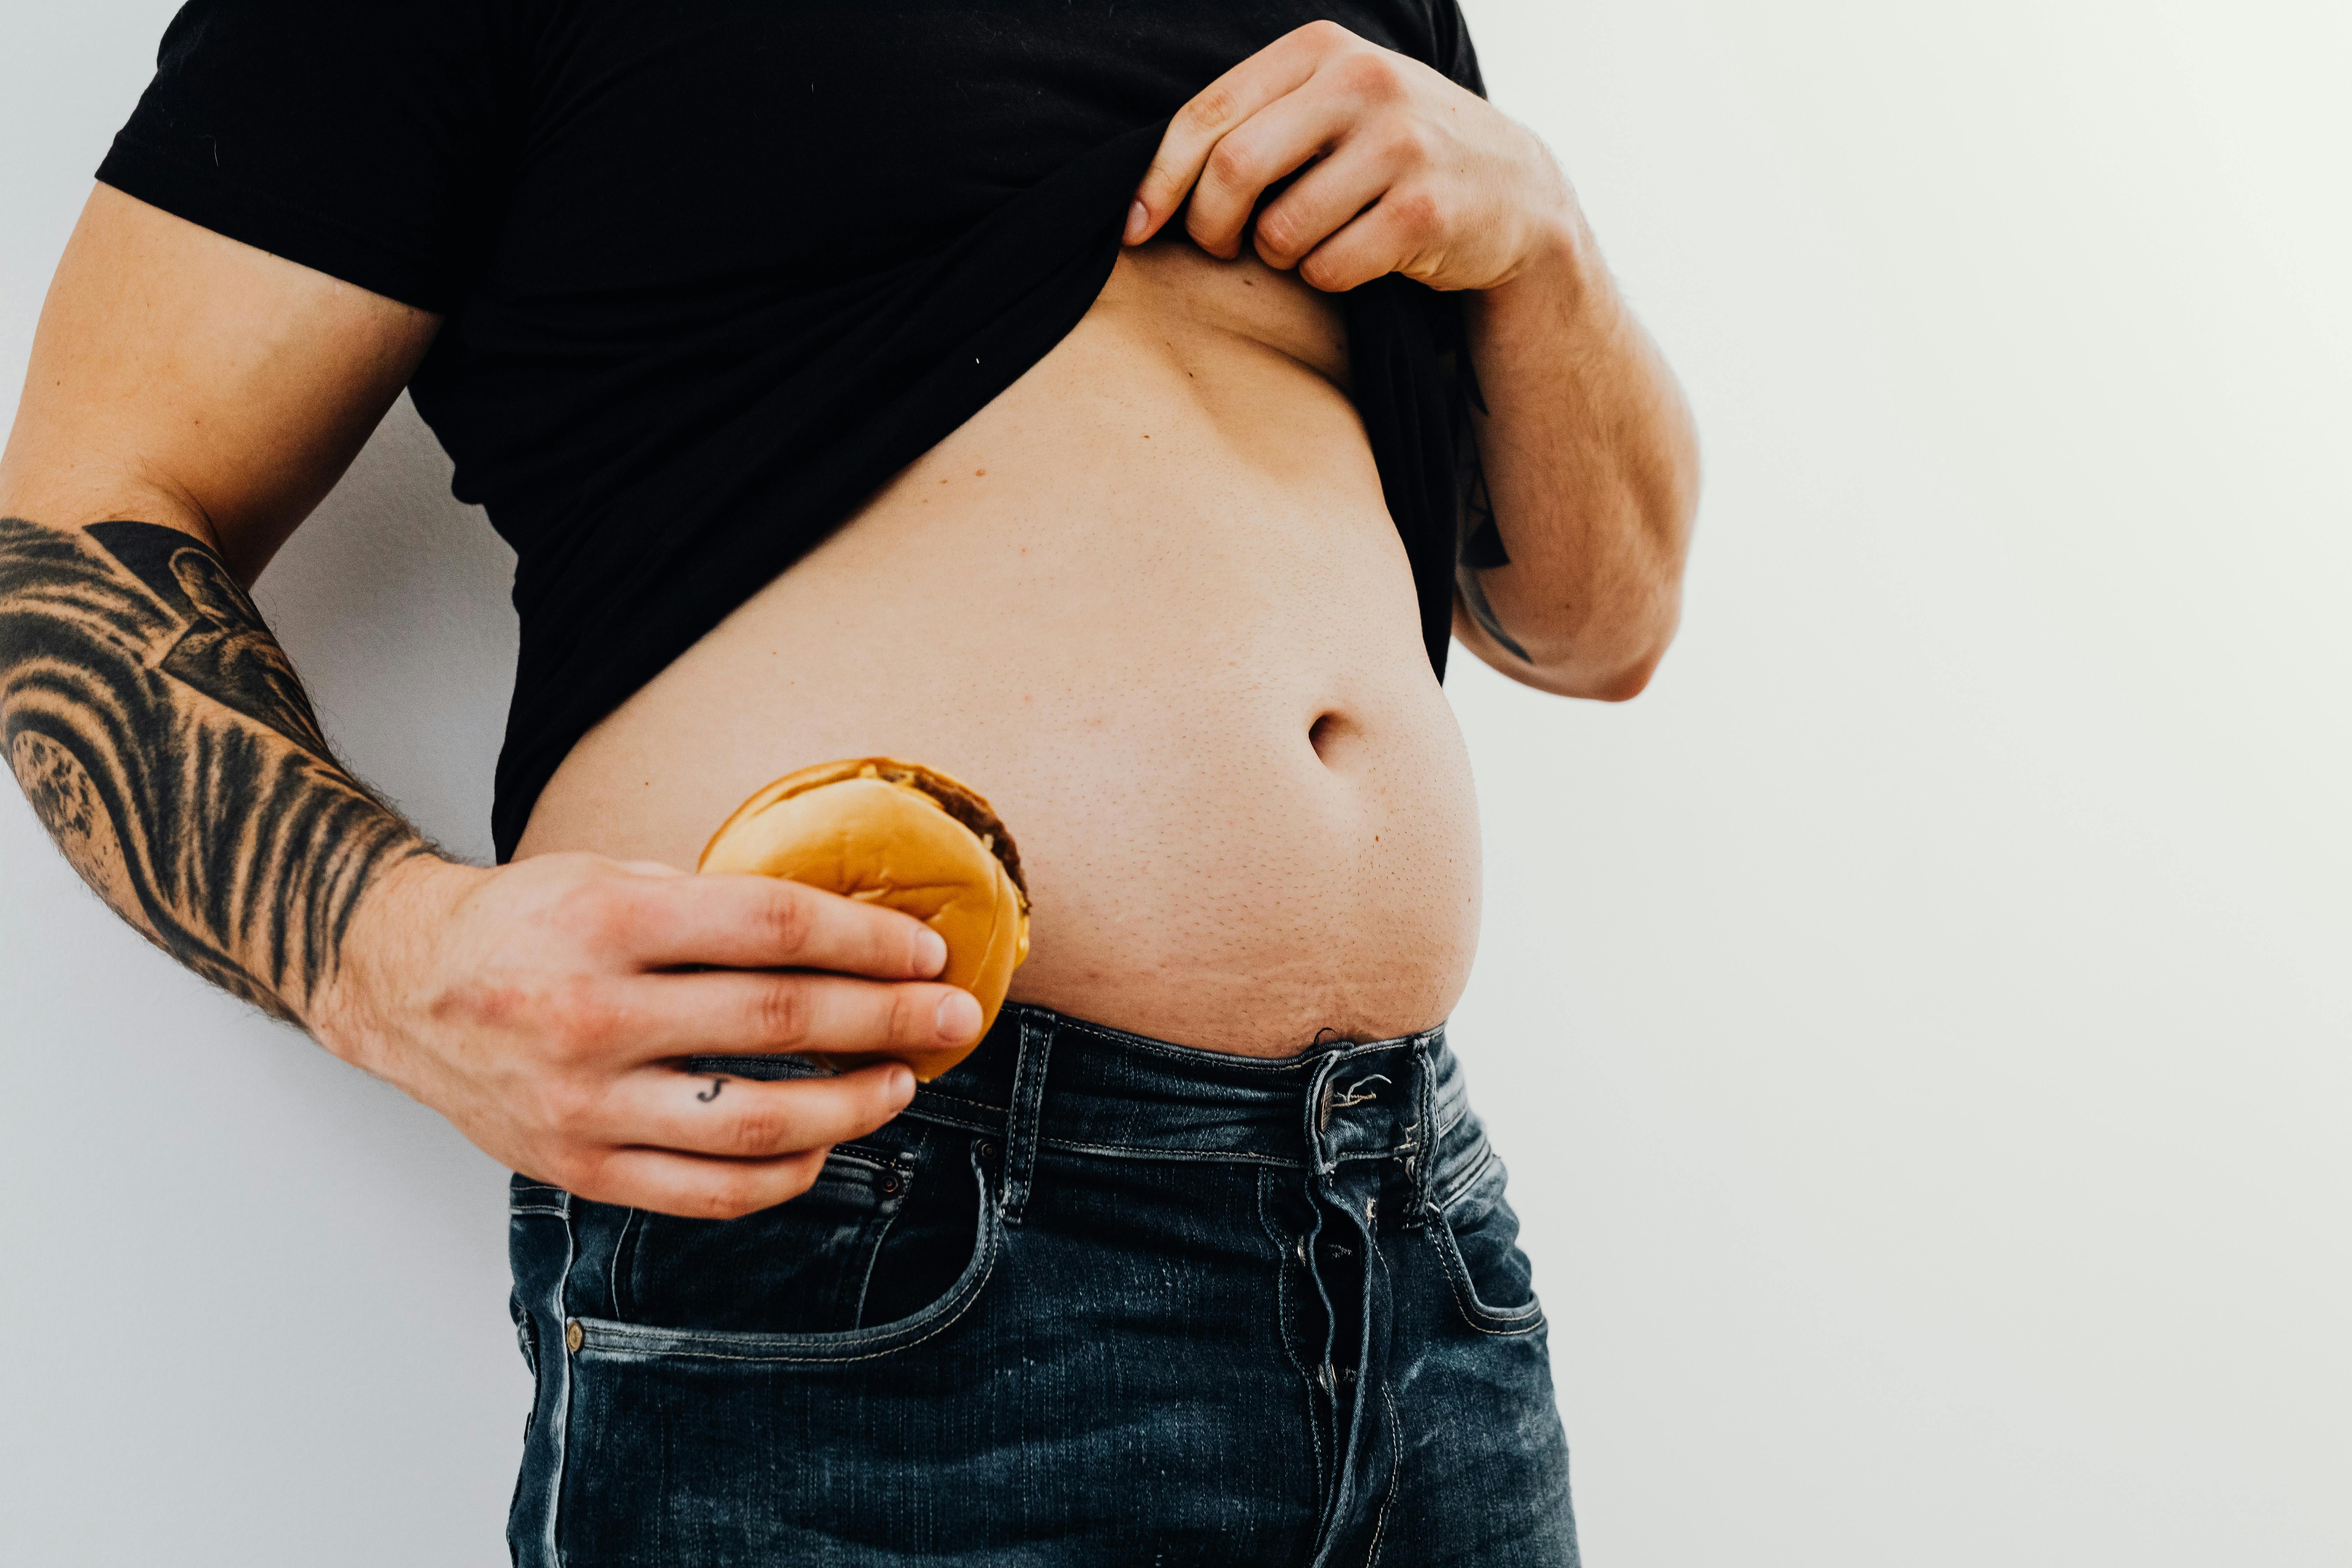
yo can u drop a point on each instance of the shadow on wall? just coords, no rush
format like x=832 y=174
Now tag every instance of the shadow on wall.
x=393 y=601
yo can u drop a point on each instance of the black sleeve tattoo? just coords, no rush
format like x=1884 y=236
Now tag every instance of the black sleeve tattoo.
x=162 y=738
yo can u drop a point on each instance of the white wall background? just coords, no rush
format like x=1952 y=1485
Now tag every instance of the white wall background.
x=1919 y=1025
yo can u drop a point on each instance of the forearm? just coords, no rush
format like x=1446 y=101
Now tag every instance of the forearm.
x=162 y=738
x=1591 y=468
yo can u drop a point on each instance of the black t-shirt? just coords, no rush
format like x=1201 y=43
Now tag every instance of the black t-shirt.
x=714 y=271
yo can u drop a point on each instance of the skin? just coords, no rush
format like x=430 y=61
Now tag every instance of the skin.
x=214 y=393
x=1589 y=449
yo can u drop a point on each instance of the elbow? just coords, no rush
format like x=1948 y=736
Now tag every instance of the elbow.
x=1617 y=665
x=1638 y=637
x=1626 y=684
x=1616 y=681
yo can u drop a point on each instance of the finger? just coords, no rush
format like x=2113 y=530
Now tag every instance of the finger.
x=693 y=1187
x=1396 y=234
x=1278 y=68
x=1324 y=199
x=744 y=1119
x=741 y=1013
x=1276 y=141
x=765 y=923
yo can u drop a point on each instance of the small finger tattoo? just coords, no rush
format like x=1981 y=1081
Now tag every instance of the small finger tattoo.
x=712 y=1092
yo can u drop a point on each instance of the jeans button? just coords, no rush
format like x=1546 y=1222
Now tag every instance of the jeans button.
x=574 y=1336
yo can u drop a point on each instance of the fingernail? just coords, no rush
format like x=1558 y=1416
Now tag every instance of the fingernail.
x=958 y=1015
x=1138 y=217
x=901 y=1086
x=930 y=951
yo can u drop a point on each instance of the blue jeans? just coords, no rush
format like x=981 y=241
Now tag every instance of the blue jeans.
x=1093 y=1300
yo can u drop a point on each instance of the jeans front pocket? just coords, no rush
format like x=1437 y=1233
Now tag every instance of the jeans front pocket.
x=892 y=1244
x=1477 y=1235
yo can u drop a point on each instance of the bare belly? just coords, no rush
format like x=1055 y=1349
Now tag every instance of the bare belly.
x=1148 y=602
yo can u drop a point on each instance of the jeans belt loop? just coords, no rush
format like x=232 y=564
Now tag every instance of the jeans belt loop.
x=1022 y=1116
x=1319 y=1091
x=1420 y=1159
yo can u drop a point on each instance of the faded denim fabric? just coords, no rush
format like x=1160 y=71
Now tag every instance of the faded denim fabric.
x=1093 y=1300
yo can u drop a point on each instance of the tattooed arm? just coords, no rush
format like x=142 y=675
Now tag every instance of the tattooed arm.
x=164 y=740
x=189 y=400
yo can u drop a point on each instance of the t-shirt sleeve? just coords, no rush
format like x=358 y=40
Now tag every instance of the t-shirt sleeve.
x=366 y=139
x=1457 y=56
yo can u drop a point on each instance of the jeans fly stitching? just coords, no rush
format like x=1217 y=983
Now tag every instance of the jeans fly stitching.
x=1282 y=1294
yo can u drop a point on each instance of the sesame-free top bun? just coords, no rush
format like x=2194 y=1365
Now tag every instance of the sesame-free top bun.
x=907 y=837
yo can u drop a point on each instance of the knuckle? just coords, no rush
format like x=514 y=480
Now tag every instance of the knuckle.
x=581 y=1020
x=575 y=1170
x=764 y=1129
x=801 y=1174
x=1213 y=109
x=1373 y=75
x=566 y=1108
x=1229 y=162
x=1196 y=226
x=1406 y=145
x=595 y=911
x=1280 y=235
x=781 y=1012
x=789 y=917
x=1327 y=32
x=1419 y=212
x=734 y=1193
x=913 y=1015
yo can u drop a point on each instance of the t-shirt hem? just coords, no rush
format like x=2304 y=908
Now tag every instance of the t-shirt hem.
x=208 y=199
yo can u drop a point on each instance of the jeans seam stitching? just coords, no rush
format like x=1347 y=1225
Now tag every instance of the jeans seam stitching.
x=626 y=1332
x=561 y=1434
x=613 y=1269
x=1465 y=1296
x=881 y=1235
x=934 y=1331
x=1146 y=1151
x=1396 y=1474
x=1464 y=1184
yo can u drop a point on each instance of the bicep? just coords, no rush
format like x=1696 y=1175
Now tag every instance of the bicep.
x=182 y=378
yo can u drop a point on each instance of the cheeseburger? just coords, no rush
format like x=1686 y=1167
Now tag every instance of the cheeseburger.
x=907 y=837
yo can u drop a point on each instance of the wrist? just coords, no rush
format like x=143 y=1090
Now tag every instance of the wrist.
x=1557 y=288
x=1556 y=254
x=1552 y=232
x=387 y=947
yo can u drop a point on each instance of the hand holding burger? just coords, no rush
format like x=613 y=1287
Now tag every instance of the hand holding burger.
x=909 y=837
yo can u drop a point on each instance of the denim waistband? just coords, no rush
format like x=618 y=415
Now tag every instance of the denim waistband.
x=1098 y=1090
